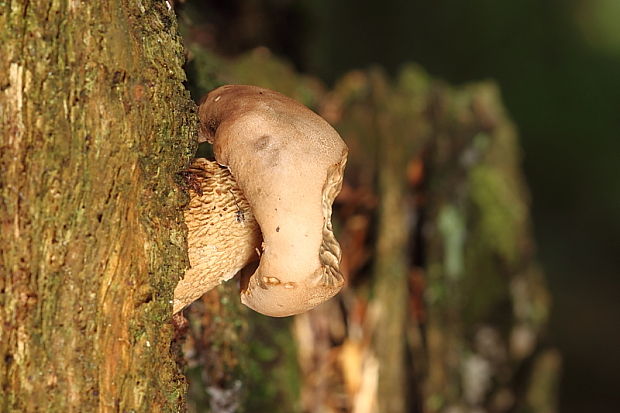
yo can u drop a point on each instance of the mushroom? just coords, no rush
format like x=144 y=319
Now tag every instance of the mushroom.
x=269 y=209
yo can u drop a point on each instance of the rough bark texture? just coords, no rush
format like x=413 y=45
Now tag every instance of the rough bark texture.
x=94 y=124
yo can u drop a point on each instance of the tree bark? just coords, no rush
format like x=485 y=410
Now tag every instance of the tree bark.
x=95 y=123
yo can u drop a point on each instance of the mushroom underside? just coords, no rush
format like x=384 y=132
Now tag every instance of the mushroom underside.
x=223 y=235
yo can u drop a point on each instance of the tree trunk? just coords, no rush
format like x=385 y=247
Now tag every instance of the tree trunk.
x=95 y=123
x=390 y=268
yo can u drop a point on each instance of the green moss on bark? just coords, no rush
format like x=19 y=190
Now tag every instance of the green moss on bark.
x=95 y=123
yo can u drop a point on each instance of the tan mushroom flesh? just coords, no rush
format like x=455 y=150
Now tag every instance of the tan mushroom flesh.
x=288 y=162
x=223 y=235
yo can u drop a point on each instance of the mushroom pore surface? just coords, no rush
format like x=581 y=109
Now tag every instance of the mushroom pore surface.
x=288 y=162
x=223 y=235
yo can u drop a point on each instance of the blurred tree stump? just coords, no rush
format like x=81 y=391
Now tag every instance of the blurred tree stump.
x=445 y=308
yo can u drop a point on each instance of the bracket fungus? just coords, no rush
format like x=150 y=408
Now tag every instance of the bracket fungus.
x=265 y=207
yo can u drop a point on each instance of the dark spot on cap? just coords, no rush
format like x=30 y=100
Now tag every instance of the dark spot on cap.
x=277 y=229
x=262 y=143
x=211 y=126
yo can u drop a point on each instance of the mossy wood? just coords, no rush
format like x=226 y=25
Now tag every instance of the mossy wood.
x=94 y=125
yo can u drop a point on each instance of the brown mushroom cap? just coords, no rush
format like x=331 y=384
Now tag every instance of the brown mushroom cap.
x=288 y=162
